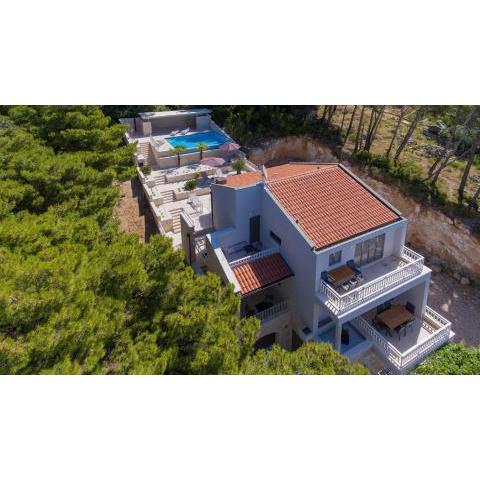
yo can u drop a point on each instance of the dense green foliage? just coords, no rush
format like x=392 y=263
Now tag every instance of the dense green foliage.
x=452 y=359
x=249 y=124
x=116 y=112
x=311 y=358
x=79 y=296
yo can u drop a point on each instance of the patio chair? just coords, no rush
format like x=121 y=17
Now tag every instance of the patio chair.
x=410 y=307
x=381 y=327
x=409 y=324
x=353 y=282
x=400 y=329
x=388 y=304
x=351 y=265
x=381 y=308
x=324 y=277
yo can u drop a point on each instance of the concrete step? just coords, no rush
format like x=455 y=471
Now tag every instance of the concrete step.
x=168 y=196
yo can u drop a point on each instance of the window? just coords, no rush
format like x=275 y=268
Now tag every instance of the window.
x=335 y=257
x=369 y=250
x=275 y=237
x=254 y=229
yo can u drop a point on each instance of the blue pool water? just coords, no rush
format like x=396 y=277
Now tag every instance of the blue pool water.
x=190 y=142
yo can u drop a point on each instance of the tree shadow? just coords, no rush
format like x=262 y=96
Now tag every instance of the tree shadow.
x=144 y=209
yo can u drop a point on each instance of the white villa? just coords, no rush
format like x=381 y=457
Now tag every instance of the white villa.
x=311 y=250
x=317 y=255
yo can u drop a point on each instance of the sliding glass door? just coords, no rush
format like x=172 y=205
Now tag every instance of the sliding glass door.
x=369 y=250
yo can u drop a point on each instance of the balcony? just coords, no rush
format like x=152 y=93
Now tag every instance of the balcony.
x=266 y=305
x=274 y=311
x=402 y=353
x=238 y=258
x=377 y=279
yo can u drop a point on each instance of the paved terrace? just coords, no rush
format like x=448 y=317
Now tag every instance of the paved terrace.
x=166 y=194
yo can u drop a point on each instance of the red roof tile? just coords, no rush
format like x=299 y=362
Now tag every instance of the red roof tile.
x=273 y=173
x=244 y=179
x=329 y=205
x=261 y=272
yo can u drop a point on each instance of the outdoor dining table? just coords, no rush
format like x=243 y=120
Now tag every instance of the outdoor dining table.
x=395 y=316
x=340 y=275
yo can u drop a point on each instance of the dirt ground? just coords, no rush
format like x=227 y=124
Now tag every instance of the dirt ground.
x=458 y=303
x=133 y=211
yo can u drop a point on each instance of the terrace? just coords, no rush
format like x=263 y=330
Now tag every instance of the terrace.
x=168 y=196
x=362 y=284
x=405 y=348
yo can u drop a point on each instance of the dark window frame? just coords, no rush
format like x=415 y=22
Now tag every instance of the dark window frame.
x=275 y=238
x=332 y=256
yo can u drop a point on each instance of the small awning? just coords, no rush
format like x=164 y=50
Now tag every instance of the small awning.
x=261 y=273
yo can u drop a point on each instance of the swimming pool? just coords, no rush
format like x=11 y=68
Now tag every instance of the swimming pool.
x=190 y=142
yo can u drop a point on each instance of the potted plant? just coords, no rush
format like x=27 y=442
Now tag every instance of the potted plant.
x=201 y=148
x=238 y=165
x=178 y=150
x=146 y=169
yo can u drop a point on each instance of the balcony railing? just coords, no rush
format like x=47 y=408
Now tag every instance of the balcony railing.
x=272 y=312
x=345 y=301
x=402 y=362
x=255 y=256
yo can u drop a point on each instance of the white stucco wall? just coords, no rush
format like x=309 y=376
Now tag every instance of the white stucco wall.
x=234 y=208
x=297 y=253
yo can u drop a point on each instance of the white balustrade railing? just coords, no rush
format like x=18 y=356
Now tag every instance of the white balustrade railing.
x=255 y=256
x=420 y=351
x=272 y=312
x=403 y=361
x=388 y=351
x=344 y=301
x=200 y=244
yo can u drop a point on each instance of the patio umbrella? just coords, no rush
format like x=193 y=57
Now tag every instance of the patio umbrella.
x=229 y=147
x=213 y=161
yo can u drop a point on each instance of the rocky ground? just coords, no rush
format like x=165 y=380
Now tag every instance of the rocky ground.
x=133 y=211
x=458 y=303
x=455 y=296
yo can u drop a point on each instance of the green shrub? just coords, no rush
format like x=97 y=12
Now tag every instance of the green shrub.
x=373 y=160
x=407 y=171
x=146 y=169
x=452 y=359
x=190 y=185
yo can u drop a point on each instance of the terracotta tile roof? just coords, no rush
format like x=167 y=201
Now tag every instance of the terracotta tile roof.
x=273 y=173
x=329 y=205
x=261 y=272
x=290 y=169
x=244 y=179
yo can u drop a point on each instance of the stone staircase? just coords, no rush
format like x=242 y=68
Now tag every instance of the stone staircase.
x=160 y=180
x=175 y=212
x=168 y=196
x=146 y=150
